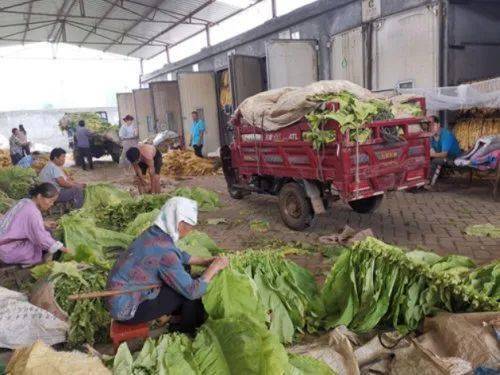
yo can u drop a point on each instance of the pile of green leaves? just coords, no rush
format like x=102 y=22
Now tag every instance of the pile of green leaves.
x=103 y=194
x=483 y=230
x=266 y=288
x=79 y=229
x=118 y=216
x=16 y=182
x=352 y=114
x=486 y=280
x=93 y=122
x=141 y=222
x=207 y=200
x=375 y=283
x=5 y=202
x=221 y=347
x=88 y=318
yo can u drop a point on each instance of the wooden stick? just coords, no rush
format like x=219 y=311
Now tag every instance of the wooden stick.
x=109 y=293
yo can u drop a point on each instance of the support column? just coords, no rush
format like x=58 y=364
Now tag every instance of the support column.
x=141 y=64
x=167 y=52
x=207 y=31
x=273 y=7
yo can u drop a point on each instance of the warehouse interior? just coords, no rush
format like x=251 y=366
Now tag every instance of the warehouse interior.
x=212 y=187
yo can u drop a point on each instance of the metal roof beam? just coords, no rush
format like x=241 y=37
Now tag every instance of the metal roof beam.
x=28 y=19
x=168 y=12
x=199 y=32
x=187 y=16
x=87 y=17
x=49 y=23
x=130 y=10
x=19 y=4
x=128 y=29
x=18 y=40
x=59 y=21
x=98 y=23
x=93 y=30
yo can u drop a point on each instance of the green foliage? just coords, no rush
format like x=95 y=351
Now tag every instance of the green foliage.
x=352 y=114
x=5 y=202
x=483 y=230
x=100 y=195
x=16 y=182
x=376 y=283
x=81 y=230
x=305 y=365
x=207 y=200
x=93 y=122
x=282 y=294
x=486 y=280
x=88 y=318
x=141 y=223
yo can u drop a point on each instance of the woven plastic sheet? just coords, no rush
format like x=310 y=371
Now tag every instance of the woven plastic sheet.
x=484 y=94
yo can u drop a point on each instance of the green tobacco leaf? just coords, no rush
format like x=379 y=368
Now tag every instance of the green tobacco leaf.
x=103 y=194
x=141 y=223
x=305 y=365
x=233 y=295
x=122 y=364
x=483 y=230
x=237 y=346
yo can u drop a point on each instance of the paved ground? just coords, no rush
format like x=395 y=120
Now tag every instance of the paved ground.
x=428 y=220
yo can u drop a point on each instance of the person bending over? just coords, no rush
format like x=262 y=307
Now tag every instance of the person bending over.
x=153 y=258
x=444 y=147
x=146 y=159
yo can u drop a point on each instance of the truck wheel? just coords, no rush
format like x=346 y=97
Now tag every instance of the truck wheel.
x=366 y=205
x=295 y=207
x=235 y=193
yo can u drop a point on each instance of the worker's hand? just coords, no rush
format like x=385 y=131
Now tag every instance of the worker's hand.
x=220 y=263
x=66 y=250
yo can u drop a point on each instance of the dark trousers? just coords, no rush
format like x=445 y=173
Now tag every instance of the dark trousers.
x=84 y=152
x=14 y=158
x=75 y=195
x=197 y=150
x=26 y=150
x=170 y=302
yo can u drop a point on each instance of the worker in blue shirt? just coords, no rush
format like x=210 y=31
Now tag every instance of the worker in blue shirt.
x=445 y=148
x=197 y=134
x=28 y=160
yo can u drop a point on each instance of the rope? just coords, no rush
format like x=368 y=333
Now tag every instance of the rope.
x=357 y=163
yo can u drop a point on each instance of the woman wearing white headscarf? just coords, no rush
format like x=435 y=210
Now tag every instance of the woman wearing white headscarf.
x=153 y=258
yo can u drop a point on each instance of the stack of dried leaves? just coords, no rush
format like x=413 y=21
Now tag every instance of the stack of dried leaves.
x=178 y=163
x=4 y=159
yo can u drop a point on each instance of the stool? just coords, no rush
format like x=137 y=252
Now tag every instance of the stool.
x=120 y=332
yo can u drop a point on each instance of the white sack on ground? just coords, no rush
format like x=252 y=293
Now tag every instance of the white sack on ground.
x=40 y=359
x=22 y=324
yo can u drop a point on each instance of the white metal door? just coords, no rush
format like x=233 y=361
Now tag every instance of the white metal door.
x=197 y=92
x=346 y=58
x=405 y=49
x=144 y=111
x=246 y=77
x=291 y=63
x=125 y=104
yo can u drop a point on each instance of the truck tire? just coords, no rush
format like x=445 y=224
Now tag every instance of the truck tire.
x=235 y=193
x=295 y=207
x=366 y=205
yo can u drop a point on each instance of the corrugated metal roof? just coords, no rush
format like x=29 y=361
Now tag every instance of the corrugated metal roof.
x=138 y=28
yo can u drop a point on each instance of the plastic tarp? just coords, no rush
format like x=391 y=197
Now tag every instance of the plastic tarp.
x=484 y=94
x=22 y=324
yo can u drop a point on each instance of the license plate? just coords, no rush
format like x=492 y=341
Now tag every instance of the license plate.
x=383 y=155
